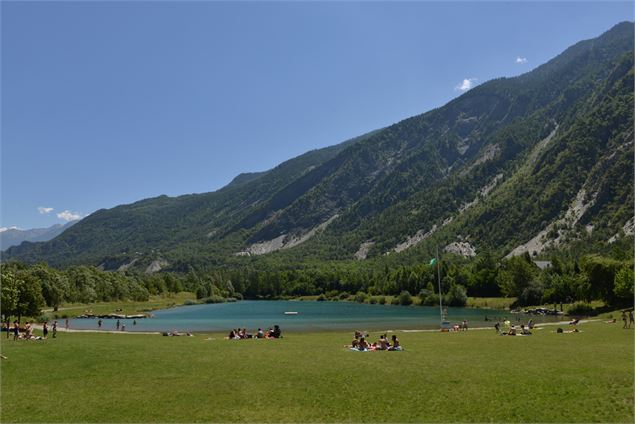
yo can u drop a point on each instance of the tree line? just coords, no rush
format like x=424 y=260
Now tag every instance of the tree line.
x=27 y=289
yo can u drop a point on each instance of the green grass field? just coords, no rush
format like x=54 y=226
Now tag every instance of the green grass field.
x=473 y=376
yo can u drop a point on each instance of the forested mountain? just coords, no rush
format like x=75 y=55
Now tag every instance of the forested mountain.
x=534 y=163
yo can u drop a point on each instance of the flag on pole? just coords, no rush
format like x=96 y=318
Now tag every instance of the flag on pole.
x=433 y=261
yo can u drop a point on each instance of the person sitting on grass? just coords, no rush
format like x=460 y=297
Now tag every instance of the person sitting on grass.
x=512 y=331
x=524 y=331
x=497 y=327
x=277 y=333
x=260 y=334
x=395 y=344
x=363 y=344
x=383 y=343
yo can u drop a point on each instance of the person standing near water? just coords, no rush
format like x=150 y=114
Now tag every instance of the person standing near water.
x=99 y=324
x=16 y=330
x=118 y=323
x=631 y=320
x=624 y=318
x=45 y=329
x=66 y=323
x=54 y=329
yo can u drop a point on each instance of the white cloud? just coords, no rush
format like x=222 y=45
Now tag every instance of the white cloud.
x=466 y=84
x=521 y=60
x=43 y=210
x=69 y=216
x=3 y=229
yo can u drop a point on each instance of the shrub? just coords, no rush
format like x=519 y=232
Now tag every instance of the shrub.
x=332 y=294
x=344 y=295
x=321 y=298
x=218 y=299
x=531 y=295
x=372 y=300
x=382 y=300
x=394 y=301
x=431 y=300
x=189 y=302
x=360 y=297
x=405 y=298
x=457 y=296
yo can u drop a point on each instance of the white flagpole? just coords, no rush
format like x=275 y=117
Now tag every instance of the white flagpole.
x=440 y=294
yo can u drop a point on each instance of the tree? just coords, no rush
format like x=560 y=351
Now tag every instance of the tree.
x=516 y=275
x=10 y=295
x=624 y=282
x=30 y=299
x=600 y=272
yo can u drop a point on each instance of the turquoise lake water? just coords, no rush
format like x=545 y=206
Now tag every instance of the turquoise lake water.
x=312 y=316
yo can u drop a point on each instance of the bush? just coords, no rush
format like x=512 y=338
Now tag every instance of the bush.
x=457 y=296
x=332 y=294
x=382 y=300
x=394 y=301
x=344 y=295
x=189 y=302
x=531 y=295
x=218 y=299
x=405 y=298
x=372 y=300
x=238 y=296
x=360 y=297
x=431 y=300
x=580 y=309
x=321 y=298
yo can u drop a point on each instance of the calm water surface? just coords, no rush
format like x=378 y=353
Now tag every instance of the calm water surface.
x=312 y=316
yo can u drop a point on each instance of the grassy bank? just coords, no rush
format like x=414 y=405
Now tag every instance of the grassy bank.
x=127 y=307
x=473 y=376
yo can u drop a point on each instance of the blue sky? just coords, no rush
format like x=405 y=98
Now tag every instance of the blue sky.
x=109 y=103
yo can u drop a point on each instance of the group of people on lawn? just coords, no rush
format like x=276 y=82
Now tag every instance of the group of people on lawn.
x=512 y=330
x=241 y=333
x=27 y=332
x=361 y=344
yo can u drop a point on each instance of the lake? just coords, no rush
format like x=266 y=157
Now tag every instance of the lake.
x=311 y=316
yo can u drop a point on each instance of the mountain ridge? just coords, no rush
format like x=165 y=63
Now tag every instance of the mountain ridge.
x=446 y=176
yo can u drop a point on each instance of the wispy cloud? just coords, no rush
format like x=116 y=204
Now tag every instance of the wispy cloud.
x=466 y=84
x=521 y=60
x=69 y=216
x=43 y=210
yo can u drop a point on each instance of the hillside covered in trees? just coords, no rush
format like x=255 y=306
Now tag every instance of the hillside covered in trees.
x=535 y=166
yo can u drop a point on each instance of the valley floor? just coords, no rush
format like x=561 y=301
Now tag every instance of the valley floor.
x=469 y=376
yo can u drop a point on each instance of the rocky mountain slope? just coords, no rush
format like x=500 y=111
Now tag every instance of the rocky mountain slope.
x=515 y=165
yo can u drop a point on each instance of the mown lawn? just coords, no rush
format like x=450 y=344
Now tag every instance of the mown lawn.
x=472 y=376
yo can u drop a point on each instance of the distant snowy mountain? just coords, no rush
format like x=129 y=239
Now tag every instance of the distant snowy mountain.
x=14 y=236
